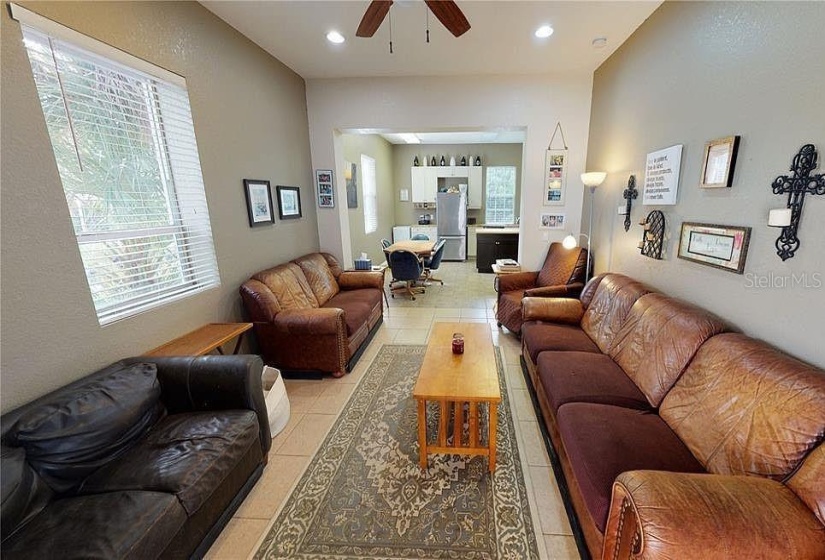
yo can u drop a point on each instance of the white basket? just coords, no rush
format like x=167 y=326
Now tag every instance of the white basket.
x=277 y=402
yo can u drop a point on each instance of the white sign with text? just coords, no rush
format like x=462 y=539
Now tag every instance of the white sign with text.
x=662 y=176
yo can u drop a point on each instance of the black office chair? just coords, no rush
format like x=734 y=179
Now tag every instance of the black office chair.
x=420 y=237
x=433 y=262
x=406 y=268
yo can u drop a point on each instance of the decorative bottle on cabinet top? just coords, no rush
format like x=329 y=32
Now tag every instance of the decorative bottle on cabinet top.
x=433 y=163
x=478 y=160
x=443 y=161
x=452 y=161
x=415 y=161
x=463 y=161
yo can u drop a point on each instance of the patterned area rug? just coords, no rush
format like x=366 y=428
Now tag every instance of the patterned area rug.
x=364 y=495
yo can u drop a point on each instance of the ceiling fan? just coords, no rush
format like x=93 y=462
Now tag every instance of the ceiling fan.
x=447 y=12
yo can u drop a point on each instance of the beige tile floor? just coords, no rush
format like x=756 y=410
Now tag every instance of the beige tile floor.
x=465 y=297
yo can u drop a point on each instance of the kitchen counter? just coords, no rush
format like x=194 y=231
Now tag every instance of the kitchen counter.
x=502 y=230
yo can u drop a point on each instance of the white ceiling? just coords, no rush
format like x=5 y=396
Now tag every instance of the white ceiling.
x=470 y=137
x=500 y=42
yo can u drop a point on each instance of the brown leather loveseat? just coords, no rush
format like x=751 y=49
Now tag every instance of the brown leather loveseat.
x=677 y=438
x=310 y=315
x=146 y=458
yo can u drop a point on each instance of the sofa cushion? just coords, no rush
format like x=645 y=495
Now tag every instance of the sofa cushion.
x=611 y=302
x=587 y=377
x=81 y=429
x=538 y=337
x=743 y=407
x=128 y=525
x=185 y=454
x=658 y=339
x=319 y=276
x=603 y=441
x=289 y=286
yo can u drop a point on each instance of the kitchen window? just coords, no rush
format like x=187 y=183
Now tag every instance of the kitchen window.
x=500 y=206
x=124 y=143
x=370 y=194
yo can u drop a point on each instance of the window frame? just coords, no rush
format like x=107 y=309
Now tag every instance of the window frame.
x=488 y=196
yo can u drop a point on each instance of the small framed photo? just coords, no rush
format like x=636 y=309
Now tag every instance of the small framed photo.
x=258 y=202
x=324 y=188
x=719 y=161
x=555 y=177
x=552 y=221
x=724 y=247
x=289 y=202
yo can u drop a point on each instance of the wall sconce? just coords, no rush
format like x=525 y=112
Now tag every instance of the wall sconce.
x=653 y=235
x=796 y=186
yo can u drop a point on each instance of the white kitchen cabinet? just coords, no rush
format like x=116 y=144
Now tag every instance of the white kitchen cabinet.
x=424 y=183
x=429 y=231
x=474 y=188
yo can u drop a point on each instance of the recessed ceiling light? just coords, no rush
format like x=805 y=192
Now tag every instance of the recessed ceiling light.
x=544 y=31
x=335 y=37
x=599 y=42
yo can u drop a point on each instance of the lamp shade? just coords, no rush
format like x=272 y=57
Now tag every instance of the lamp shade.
x=570 y=241
x=593 y=178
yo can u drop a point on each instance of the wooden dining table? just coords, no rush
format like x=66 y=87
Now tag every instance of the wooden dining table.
x=422 y=248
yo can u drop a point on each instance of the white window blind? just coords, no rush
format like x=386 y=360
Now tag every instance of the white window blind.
x=125 y=148
x=500 y=206
x=370 y=194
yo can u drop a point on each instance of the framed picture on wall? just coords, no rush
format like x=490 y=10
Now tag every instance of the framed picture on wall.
x=555 y=177
x=550 y=220
x=324 y=188
x=289 y=202
x=719 y=162
x=258 y=202
x=724 y=247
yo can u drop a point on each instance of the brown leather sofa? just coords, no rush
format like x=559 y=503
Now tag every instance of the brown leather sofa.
x=310 y=315
x=676 y=437
x=147 y=458
x=562 y=275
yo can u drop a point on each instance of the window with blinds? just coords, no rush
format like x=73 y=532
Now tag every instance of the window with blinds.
x=370 y=194
x=125 y=148
x=500 y=206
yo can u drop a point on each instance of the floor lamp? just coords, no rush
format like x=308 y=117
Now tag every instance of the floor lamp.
x=591 y=180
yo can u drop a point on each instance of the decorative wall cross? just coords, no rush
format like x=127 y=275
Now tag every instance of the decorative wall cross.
x=630 y=194
x=796 y=186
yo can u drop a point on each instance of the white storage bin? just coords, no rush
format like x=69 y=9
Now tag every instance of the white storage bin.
x=277 y=403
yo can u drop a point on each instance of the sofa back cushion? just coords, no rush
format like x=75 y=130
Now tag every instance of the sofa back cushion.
x=318 y=276
x=658 y=339
x=80 y=429
x=744 y=408
x=289 y=286
x=608 y=308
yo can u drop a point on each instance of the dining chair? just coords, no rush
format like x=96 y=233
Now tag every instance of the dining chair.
x=406 y=268
x=420 y=237
x=433 y=262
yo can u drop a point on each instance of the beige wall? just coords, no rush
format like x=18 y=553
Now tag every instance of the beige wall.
x=380 y=150
x=491 y=154
x=250 y=119
x=534 y=103
x=693 y=72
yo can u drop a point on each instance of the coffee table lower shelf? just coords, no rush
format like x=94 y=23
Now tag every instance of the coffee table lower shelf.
x=474 y=446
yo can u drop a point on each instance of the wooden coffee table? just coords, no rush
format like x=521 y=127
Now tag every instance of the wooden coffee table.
x=454 y=379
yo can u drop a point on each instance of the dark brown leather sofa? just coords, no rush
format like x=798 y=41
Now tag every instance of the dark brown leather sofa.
x=147 y=458
x=676 y=437
x=310 y=315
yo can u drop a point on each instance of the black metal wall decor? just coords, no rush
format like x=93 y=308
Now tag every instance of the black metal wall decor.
x=630 y=194
x=796 y=186
x=653 y=235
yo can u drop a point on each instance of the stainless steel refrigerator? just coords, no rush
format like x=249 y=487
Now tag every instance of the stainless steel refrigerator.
x=451 y=209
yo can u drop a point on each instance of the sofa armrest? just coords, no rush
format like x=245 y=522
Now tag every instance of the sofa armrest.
x=656 y=514
x=561 y=290
x=553 y=309
x=354 y=280
x=199 y=383
x=259 y=301
x=516 y=281
x=315 y=321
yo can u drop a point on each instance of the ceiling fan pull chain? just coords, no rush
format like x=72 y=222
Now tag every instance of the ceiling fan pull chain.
x=390 y=30
x=427 y=11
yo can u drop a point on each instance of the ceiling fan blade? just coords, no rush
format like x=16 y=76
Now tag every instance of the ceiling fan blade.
x=449 y=14
x=373 y=17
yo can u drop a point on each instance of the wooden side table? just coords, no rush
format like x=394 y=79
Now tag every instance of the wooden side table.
x=203 y=340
